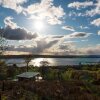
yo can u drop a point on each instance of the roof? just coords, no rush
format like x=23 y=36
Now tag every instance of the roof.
x=28 y=74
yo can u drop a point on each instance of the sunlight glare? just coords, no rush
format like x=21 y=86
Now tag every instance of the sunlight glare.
x=36 y=62
x=39 y=25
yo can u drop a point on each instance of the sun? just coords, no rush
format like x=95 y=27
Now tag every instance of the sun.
x=39 y=25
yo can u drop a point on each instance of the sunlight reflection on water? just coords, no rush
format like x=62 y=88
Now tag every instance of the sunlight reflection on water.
x=36 y=62
x=54 y=62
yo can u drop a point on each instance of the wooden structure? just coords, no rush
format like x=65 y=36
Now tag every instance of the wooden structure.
x=28 y=76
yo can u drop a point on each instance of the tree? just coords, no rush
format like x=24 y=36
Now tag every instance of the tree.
x=11 y=71
x=2 y=49
x=44 y=63
x=44 y=68
x=27 y=61
x=3 y=42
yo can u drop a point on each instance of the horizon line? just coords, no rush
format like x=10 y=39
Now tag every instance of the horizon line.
x=47 y=56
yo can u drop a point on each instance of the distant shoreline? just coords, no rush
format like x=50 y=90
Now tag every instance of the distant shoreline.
x=47 y=56
x=78 y=67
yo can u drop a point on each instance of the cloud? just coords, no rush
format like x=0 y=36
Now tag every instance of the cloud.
x=53 y=46
x=43 y=45
x=68 y=28
x=13 y=32
x=66 y=46
x=96 y=22
x=39 y=7
x=40 y=45
x=17 y=34
x=71 y=48
x=9 y=23
x=79 y=5
x=95 y=8
x=63 y=48
x=84 y=40
x=59 y=45
x=90 y=50
x=84 y=27
x=54 y=21
x=45 y=10
x=94 y=11
x=56 y=36
x=78 y=35
x=13 y=4
x=73 y=13
x=99 y=32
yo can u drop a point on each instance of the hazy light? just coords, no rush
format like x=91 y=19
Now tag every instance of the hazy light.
x=39 y=25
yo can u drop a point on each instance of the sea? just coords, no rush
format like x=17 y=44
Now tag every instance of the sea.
x=54 y=61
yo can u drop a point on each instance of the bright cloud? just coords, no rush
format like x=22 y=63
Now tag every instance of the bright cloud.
x=45 y=10
x=9 y=23
x=94 y=11
x=99 y=32
x=13 y=4
x=95 y=8
x=79 y=5
x=54 y=21
x=94 y=50
x=84 y=27
x=96 y=22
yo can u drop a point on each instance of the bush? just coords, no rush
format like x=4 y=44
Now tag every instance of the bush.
x=67 y=75
x=85 y=67
x=51 y=75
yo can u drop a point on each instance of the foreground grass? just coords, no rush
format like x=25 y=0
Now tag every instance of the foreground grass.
x=51 y=90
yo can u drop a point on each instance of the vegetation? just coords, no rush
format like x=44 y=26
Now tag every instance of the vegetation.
x=51 y=90
x=27 y=61
x=57 y=84
x=3 y=43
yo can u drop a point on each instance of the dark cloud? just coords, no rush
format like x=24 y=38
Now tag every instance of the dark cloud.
x=17 y=34
x=41 y=46
x=57 y=36
x=64 y=47
x=44 y=44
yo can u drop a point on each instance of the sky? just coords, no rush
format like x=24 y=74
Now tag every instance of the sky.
x=51 y=26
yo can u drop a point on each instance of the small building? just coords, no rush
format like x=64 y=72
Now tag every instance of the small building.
x=28 y=76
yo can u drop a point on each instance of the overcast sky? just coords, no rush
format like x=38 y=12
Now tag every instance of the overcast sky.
x=51 y=26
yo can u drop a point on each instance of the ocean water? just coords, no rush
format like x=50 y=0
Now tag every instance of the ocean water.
x=55 y=61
